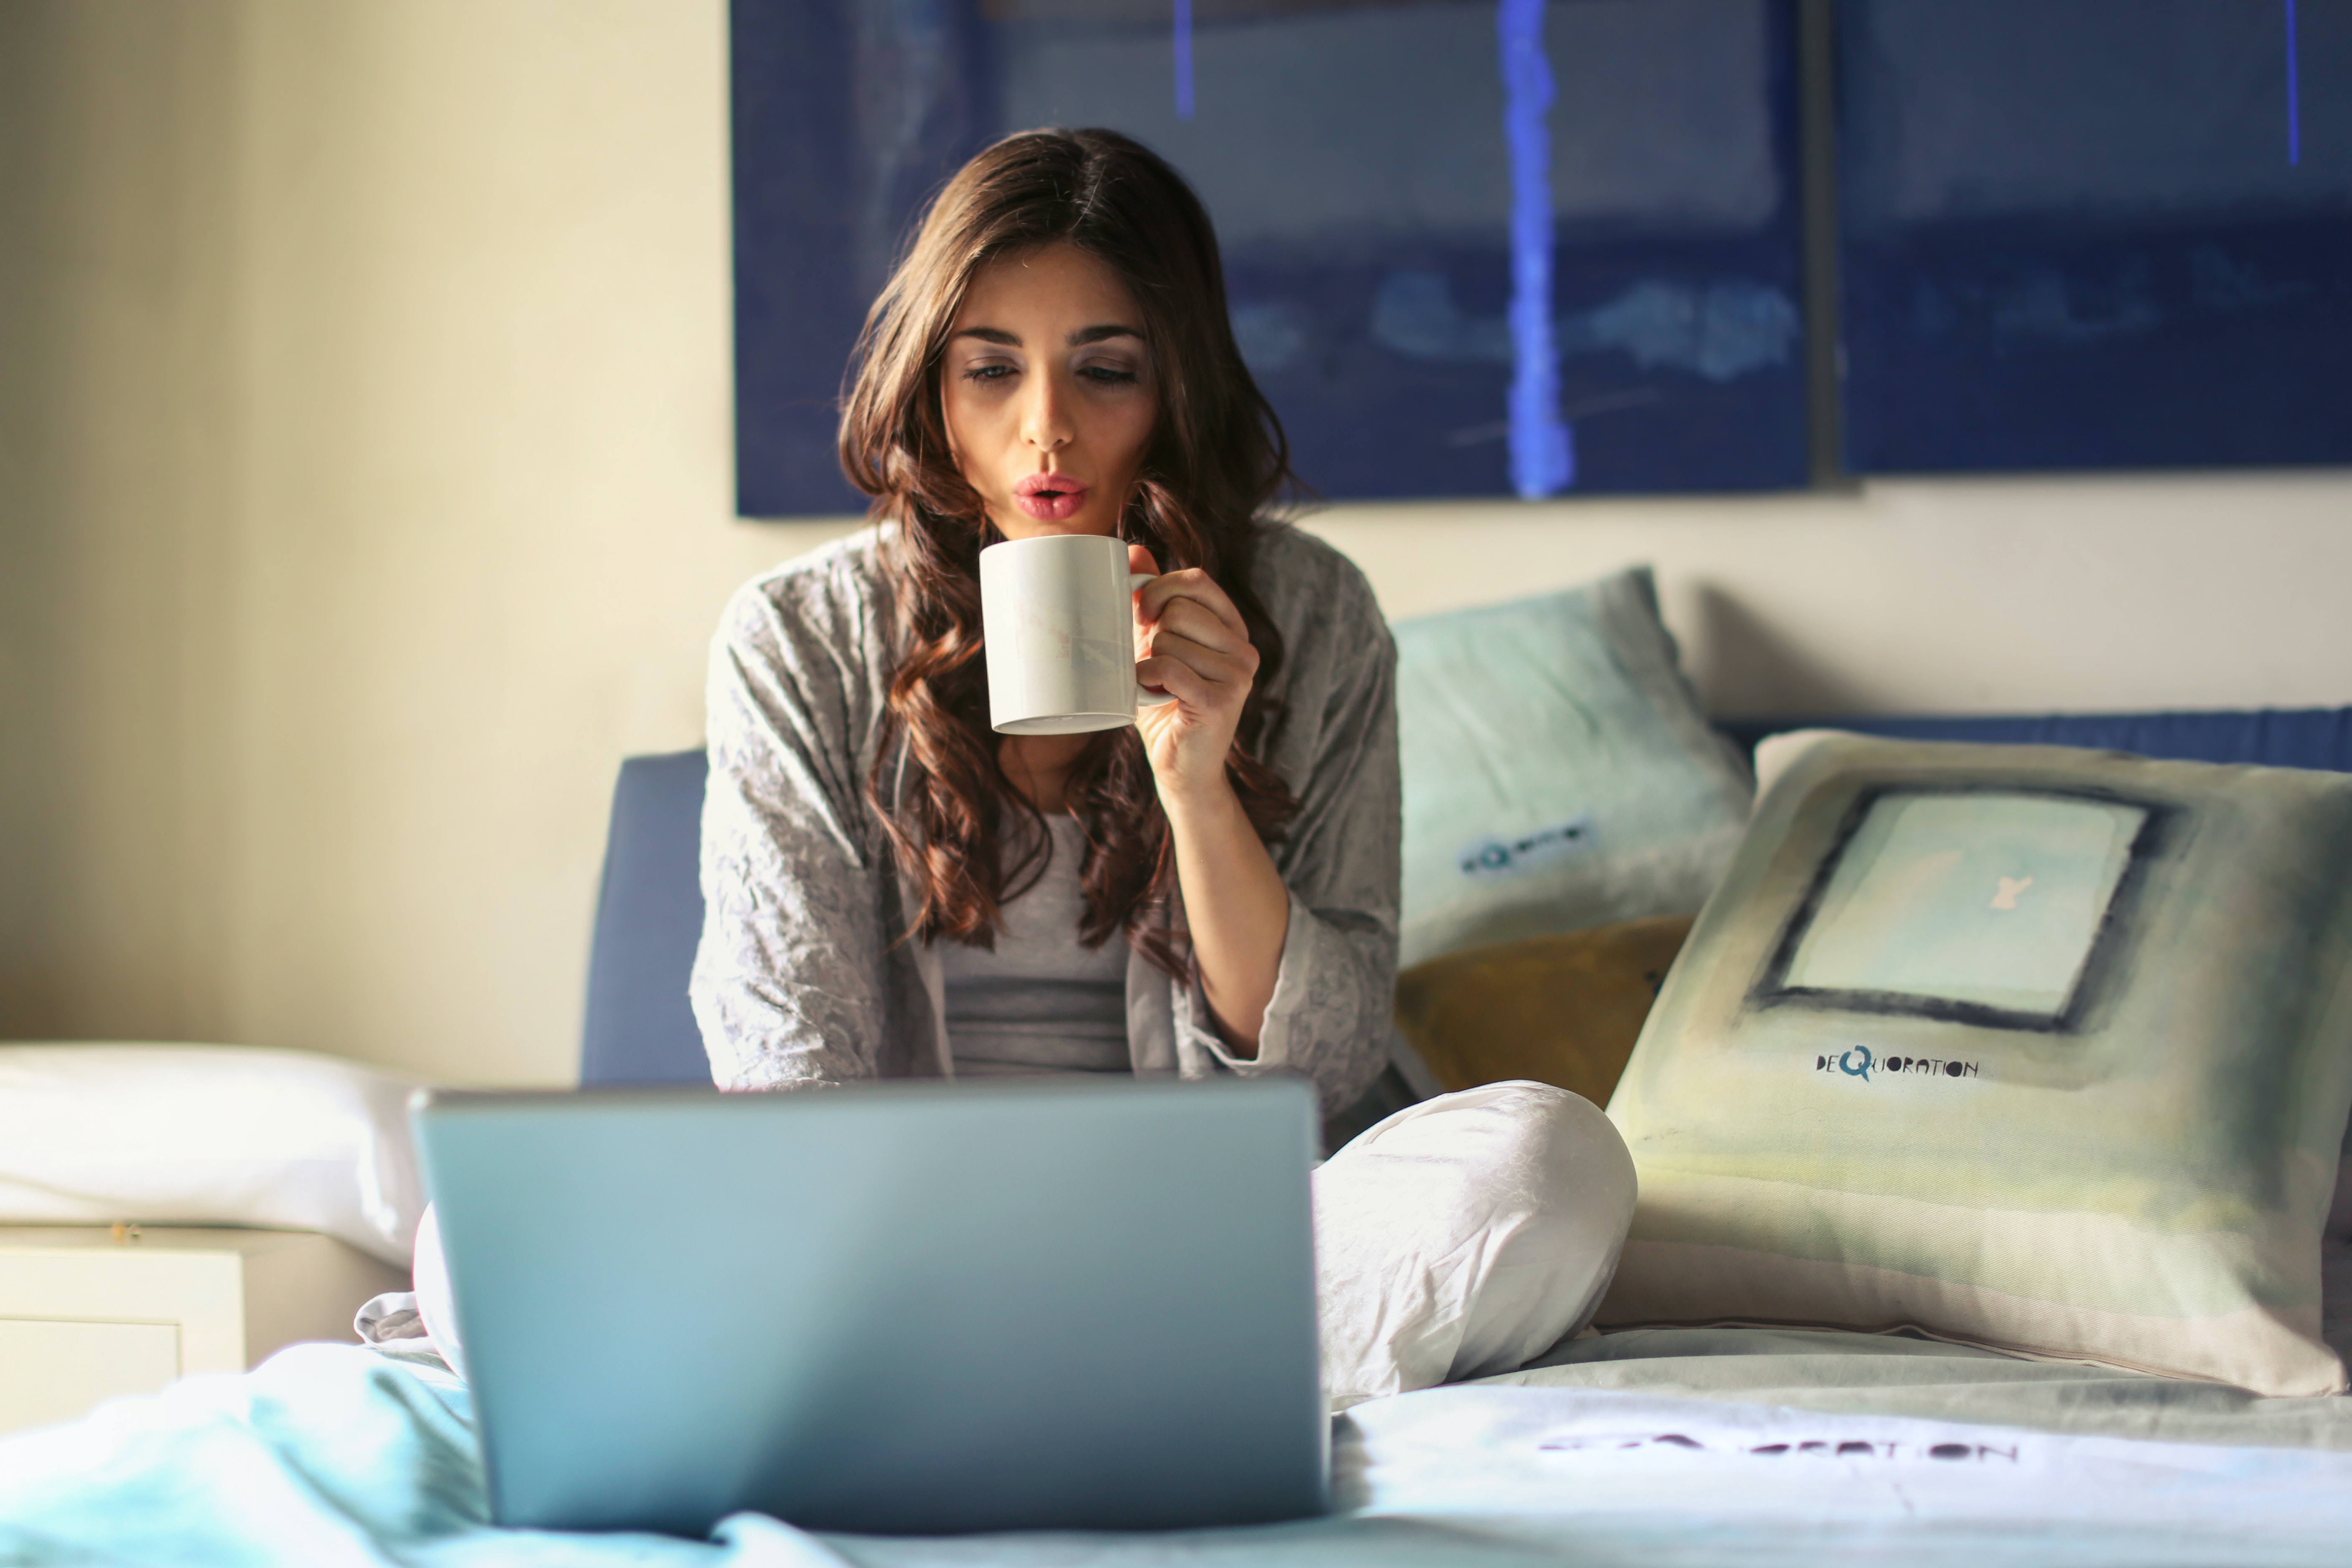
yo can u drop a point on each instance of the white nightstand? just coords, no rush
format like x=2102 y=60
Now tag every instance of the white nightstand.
x=87 y=1313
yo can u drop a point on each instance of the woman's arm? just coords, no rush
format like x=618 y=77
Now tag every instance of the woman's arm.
x=1330 y=1013
x=1235 y=905
x=1332 y=1017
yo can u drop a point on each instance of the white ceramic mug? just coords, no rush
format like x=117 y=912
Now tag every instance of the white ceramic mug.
x=1059 y=624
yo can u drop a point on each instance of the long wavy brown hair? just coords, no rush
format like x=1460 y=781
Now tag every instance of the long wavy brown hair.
x=1216 y=464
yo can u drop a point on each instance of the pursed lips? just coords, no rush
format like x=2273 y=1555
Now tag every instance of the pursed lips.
x=1049 y=497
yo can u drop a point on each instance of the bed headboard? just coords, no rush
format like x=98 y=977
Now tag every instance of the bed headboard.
x=2271 y=737
x=649 y=911
x=649 y=920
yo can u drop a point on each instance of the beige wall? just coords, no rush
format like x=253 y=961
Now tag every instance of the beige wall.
x=1951 y=596
x=364 y=497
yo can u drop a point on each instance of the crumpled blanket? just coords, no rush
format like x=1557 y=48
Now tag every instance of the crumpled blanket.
x=324 y=1455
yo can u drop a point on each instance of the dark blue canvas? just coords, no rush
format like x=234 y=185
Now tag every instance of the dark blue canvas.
x=1430 y=265
x=799 y=292
x=2092 y=234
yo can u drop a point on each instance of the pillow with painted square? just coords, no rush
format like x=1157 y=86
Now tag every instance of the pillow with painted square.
x=2039 y=1048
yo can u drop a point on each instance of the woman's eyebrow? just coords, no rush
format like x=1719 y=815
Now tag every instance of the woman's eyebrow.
x=991 y=335
x=1086 y=335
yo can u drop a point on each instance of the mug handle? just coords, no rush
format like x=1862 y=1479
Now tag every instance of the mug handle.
x=1144 y=696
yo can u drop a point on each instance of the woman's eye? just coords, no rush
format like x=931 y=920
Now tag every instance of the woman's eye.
x=988 y=372
x=1109 y=374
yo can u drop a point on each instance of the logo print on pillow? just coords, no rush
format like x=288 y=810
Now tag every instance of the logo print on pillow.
x=1998 y=908
x=1857 y=1062
x=1526 y=851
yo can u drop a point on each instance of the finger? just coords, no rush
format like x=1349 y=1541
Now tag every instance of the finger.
x=1139 y=559
x=1213 y=659
x=1179 y=680
x=1191 y=583
x=1191 y=618
x=1194 y=585
x=1213 y=665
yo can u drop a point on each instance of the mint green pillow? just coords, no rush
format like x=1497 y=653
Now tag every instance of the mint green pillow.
x=2032 y=1047
x=1558 y=771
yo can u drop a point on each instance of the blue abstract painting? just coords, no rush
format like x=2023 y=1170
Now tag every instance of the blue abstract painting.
x=2087 y=234
x=1474 y=246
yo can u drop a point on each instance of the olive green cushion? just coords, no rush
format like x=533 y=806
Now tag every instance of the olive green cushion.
x=1562 y=1010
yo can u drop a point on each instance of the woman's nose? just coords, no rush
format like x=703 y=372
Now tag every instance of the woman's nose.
x=1044 y=418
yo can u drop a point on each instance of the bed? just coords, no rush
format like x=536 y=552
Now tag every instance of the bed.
x=1671 y=1445
x=1703 y=1447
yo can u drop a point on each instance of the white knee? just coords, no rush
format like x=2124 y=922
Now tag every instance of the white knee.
x=1564 y=1203
x=1465 y=1235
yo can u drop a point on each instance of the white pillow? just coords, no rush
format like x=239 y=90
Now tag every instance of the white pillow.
x=1558 y=771
x=1462 y=1236
x=170 y=1134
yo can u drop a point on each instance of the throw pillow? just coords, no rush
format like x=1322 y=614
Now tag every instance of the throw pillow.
x=1558 y=771
x=2039 y=1048
x=1562 y=1010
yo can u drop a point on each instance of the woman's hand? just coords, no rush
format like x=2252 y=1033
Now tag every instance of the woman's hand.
x=1190 y=642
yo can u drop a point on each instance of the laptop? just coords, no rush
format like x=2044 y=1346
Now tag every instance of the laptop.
x=890 y=1309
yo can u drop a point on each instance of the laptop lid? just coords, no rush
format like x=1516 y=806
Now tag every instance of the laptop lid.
x=892 y=1309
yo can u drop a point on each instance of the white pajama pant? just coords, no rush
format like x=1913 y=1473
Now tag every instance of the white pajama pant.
x=1465 y=1235
x=1461 y=1236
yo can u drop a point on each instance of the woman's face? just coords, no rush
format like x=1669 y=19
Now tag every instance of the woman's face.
x=1048 y=390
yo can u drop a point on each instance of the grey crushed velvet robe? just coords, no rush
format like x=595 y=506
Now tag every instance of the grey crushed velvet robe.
x=801 y=980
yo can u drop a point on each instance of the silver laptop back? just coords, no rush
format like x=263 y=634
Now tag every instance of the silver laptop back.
x=892 y=1309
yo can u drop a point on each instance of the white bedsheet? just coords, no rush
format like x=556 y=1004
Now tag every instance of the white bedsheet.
x=330 y=1456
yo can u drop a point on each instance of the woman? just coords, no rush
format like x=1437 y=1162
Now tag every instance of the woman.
x=893 y=891
x=1053 y=357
